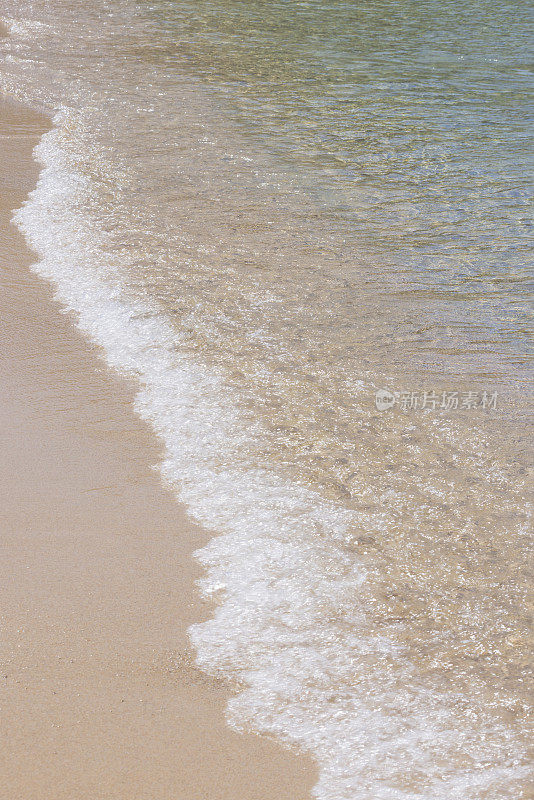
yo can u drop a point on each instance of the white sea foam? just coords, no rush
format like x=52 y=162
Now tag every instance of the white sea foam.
x=24 y=28
x=288 y=624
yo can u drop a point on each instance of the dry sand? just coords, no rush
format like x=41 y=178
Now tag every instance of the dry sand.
x=99 y=696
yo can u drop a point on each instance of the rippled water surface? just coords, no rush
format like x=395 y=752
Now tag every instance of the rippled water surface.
x=268 y=211
x=408 y=123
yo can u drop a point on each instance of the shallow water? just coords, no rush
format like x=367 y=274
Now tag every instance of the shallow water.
x=269 y=211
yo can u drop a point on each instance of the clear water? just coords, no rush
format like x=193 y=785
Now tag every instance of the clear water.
x=409 y=124
x=266 y=212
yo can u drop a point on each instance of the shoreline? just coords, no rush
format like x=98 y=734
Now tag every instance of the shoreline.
x=101 y=697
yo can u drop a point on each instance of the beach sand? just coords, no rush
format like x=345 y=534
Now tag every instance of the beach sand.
x=100 y=697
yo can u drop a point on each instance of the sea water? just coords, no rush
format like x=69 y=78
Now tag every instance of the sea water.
x=269 y=212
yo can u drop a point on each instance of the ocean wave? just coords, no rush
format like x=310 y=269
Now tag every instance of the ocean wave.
x=289 y=624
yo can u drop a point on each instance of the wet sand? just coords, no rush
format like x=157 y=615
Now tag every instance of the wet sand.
x=99 y=693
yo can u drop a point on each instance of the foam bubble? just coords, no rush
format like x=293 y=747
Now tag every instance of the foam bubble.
x=289 y=625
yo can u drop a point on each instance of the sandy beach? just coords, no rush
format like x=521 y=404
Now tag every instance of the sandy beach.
x=265 y=409
x=100 y=695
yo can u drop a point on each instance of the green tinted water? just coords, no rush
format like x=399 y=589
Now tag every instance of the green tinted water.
x=407 y=123
x=295 y=204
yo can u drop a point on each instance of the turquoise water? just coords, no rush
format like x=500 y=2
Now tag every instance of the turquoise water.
x=266 y=212
x=409 y=124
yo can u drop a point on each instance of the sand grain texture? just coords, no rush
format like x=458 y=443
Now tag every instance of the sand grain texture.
x=99 y=696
